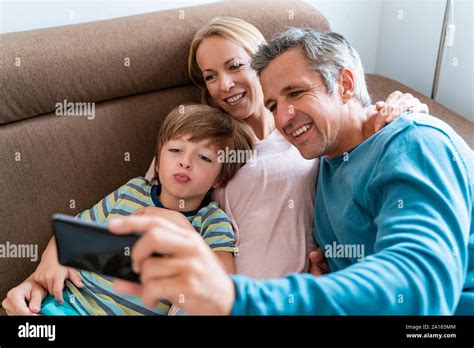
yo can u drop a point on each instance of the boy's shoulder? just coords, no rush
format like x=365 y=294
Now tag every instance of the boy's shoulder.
x=212 y=213
x=137 y=185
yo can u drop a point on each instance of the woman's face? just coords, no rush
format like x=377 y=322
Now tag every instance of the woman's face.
x=232 y=84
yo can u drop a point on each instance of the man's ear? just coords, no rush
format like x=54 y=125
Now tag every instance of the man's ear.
x=346 y=84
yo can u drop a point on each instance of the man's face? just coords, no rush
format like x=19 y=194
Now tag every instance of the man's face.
x=305 y=114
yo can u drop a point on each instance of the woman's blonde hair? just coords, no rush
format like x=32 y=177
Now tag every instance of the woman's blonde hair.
x=237 y=30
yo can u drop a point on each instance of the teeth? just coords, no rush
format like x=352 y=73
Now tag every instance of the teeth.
x=301 y=130
x=234 y=98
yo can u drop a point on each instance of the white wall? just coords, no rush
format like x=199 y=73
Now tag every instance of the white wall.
x=399 y=39
x=358 y=21
x=408 y=42
x=456 y=83
x=20 y=15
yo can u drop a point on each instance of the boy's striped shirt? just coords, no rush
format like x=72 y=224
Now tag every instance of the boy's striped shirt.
x=98 y=297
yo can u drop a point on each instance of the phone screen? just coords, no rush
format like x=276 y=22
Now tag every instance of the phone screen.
x=91 y=247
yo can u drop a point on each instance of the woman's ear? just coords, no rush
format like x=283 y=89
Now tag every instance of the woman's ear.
x=217 y=185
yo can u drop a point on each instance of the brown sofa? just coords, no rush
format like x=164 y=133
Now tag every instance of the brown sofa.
x=55 y=164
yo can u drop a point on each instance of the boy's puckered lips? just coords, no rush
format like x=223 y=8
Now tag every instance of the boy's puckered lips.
x=181 y=177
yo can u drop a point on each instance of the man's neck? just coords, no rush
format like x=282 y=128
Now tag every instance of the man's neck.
x=358 y=124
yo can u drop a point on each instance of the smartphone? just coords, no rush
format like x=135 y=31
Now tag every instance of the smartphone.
x=91 y=247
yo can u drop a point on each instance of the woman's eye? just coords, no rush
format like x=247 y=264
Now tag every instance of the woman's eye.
x=204 y=158
x=236 y=66
x=208 y=78
x=174 y=150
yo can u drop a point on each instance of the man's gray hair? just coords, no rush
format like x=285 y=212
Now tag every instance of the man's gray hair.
x=328 y=52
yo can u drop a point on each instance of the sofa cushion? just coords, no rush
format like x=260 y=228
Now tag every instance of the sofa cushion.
x=102 y=60
x=380 y=87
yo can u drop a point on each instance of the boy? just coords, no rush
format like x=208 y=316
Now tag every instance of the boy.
x=187 y=170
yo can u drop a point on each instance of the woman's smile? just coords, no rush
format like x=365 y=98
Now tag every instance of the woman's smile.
x=235 y=99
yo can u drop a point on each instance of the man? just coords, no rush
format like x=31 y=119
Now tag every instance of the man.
x=393 y=212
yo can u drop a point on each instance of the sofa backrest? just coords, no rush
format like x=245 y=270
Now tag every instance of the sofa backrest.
x=134 y=70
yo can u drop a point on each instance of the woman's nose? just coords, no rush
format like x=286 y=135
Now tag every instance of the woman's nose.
x=226 y=83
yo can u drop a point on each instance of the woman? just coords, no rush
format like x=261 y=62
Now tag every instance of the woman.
x=270 y=202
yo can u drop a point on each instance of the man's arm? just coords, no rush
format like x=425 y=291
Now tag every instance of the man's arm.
x=420 y=254
x=423 y=260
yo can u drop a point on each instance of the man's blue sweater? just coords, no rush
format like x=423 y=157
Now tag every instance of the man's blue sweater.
x=394 y=216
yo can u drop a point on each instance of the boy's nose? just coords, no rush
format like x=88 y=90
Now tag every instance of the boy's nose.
x=185 y=164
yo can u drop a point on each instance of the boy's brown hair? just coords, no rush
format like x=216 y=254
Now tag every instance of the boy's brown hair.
x=203 y=122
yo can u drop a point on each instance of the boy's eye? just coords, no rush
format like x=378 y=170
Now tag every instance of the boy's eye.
x=204 y=158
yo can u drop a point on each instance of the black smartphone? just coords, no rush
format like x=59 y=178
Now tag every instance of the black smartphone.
x=91 y=247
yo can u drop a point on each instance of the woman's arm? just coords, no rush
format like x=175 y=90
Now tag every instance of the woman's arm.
x=51 y=274
x=396 y=104
x=25 y=298
x=227 y=260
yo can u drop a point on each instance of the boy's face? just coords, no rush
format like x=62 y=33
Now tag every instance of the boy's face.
x=188 y=170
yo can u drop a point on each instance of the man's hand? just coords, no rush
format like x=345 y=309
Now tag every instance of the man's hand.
x=25 y=299
x=317 y=262
x=190 y=274
x=171 y=215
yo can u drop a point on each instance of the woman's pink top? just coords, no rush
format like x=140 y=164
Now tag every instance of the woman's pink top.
x=270 y=202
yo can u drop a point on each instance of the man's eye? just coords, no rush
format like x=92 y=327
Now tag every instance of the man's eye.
x=204 y=158
x=295 y=93
x=174 y=150
x=272 y=108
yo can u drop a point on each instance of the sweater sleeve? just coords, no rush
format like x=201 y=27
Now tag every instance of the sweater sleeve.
x=422 y=204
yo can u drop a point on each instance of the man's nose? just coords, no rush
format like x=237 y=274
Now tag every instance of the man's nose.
x=285 y=114
x=226 y=83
